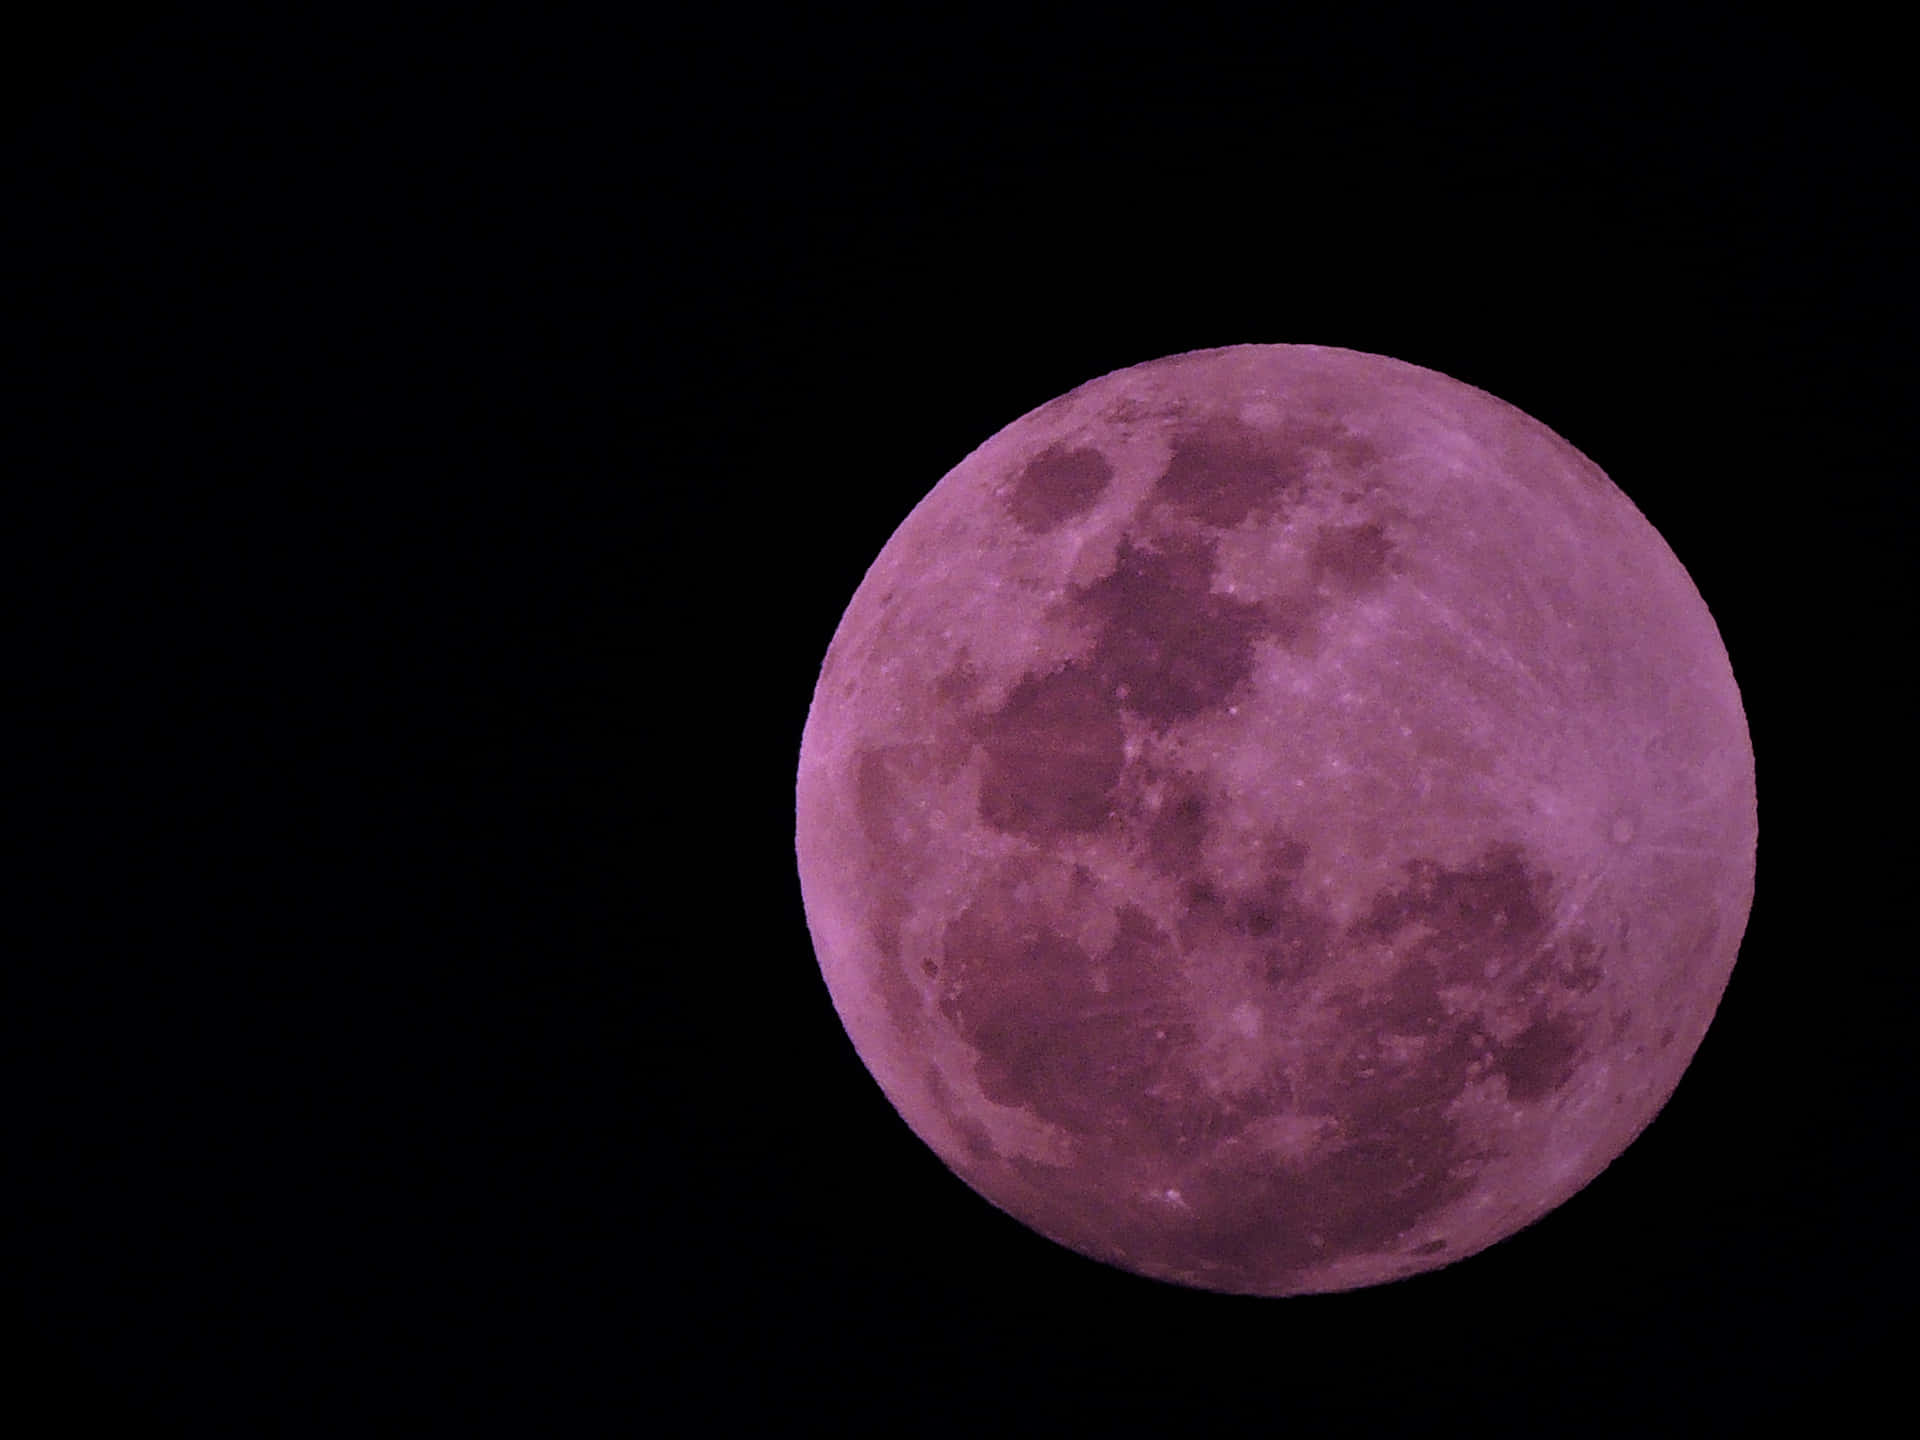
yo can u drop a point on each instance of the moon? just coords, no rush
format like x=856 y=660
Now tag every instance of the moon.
x=1276 y=820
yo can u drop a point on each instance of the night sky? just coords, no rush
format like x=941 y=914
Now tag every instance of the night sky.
x=440 y=442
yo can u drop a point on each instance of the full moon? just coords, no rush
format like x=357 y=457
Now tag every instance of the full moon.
x=1276 y=820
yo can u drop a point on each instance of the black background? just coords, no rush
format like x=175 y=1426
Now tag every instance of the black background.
x=440 y=445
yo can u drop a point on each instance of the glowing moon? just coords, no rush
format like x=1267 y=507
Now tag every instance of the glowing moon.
x=1276 y=819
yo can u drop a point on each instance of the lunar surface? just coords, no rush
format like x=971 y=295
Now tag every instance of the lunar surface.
x=1276 y=819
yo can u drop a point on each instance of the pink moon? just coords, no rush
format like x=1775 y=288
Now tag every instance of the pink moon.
x=1276 y=820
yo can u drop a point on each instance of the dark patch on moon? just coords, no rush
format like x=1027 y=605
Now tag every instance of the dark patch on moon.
x=1177 y=833
x=1168 y=647
x=1492 y=912
x=1058 y=484
x=1581 y=971
x=1054 y=752
x=958 y=684
x=1369 y=1192
x=1397 y=1144
x=1541 y=1058
x=1223 y=470
x=1412 y=1005
x=1299 y=948
x=1091 y=1046
x=1355 y=556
